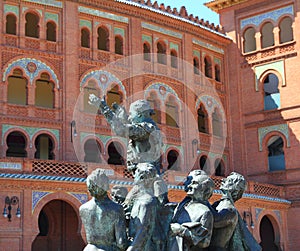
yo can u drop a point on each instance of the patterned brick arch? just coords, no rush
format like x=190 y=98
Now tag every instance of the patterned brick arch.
x=32 y=68
x=104 y=80
x=163 y=91
x=210 y=104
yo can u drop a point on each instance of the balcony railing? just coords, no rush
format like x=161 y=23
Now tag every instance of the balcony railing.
x=117 y=172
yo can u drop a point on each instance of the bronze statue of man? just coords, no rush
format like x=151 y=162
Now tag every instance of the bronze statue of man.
x=192 y=222
x=230 y=233
x=103 y=219
x=145 y=140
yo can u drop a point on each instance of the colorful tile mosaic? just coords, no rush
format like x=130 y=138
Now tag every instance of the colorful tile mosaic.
x=82 y=197
x=261 y=69
x=103 y=14
x=208 y=46
x=32 y=69
x=274 y=15
x=104 y=79
x=263 y=131
x=36 y=197
x=11 y=9
x=31 y=131
x=162 y=30
x=52 y=3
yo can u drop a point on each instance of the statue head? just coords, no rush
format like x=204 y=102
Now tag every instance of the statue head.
x=235 y=184
x=139 y=111
x=118 y=193
x=97 y=183
x=200 y=186
x=145 y=174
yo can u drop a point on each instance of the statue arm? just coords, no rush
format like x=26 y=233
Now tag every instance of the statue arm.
x=120 y=230
x=198 y=234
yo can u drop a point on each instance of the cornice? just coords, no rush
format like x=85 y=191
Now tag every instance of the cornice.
x=218 y=5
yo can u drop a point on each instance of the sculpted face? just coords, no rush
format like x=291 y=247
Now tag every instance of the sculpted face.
x=195 y=189
x=187 y=182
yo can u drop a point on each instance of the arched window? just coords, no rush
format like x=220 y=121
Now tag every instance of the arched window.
x=172 y=117
x=114 y=95
x=161 y=53
x=267 y=35
x=115 y=152
x=173 y=160
x=196 y=65
x=208 y=67
x=276 y=158
x=219 y=168
x=90 y=88
x=155 y=105
x=204 y=164
x=286 y=30
x=16 y=145
x=103 y=39
x=267 y=235
x=51 y=32
x=217 y=73
x=85 y=38
x=271 y=92
x=146 y=51
x=92 y=151
x=11 y=24
x=32 y=25
x=174 y=59
x=17 y=88
x=217 y=124
x=249 y=40
x=44 y=147
x=119 y=45
x=202 y=120
x=44 y=92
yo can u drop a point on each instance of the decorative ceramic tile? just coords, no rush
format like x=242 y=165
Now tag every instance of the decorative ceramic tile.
x=82 y=197
x=31 y=131
x=11 y=9
x=24 y=9
x=85 y=23
x=208 y=46
x=162 y=90
x=274 y=15
x=53 y=3
x=174 y=46
x=51 y=16
x=147 y=38
x=119 y=31
x=32 y=69
x=196 y=53
x=263 y=131
x=161 y=30
x=36 y=197
x=103 y=14
x=104 y=80
x=210 y=104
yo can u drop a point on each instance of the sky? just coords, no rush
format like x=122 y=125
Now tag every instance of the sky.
x=195 y=7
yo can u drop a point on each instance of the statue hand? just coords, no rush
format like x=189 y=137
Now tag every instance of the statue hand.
x=93 y=100
x=176 y=228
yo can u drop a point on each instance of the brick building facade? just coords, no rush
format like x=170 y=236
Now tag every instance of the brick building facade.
x=213 y=90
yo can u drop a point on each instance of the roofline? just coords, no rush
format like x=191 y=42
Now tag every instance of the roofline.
x=217 y=5
x=136 y=4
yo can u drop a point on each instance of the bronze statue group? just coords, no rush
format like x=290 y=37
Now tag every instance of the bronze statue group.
x=144 y=219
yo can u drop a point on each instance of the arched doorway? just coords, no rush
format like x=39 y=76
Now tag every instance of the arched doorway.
x=267 y=235
x=59 y=228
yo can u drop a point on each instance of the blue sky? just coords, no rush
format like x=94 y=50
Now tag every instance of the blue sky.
x=195 y=7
